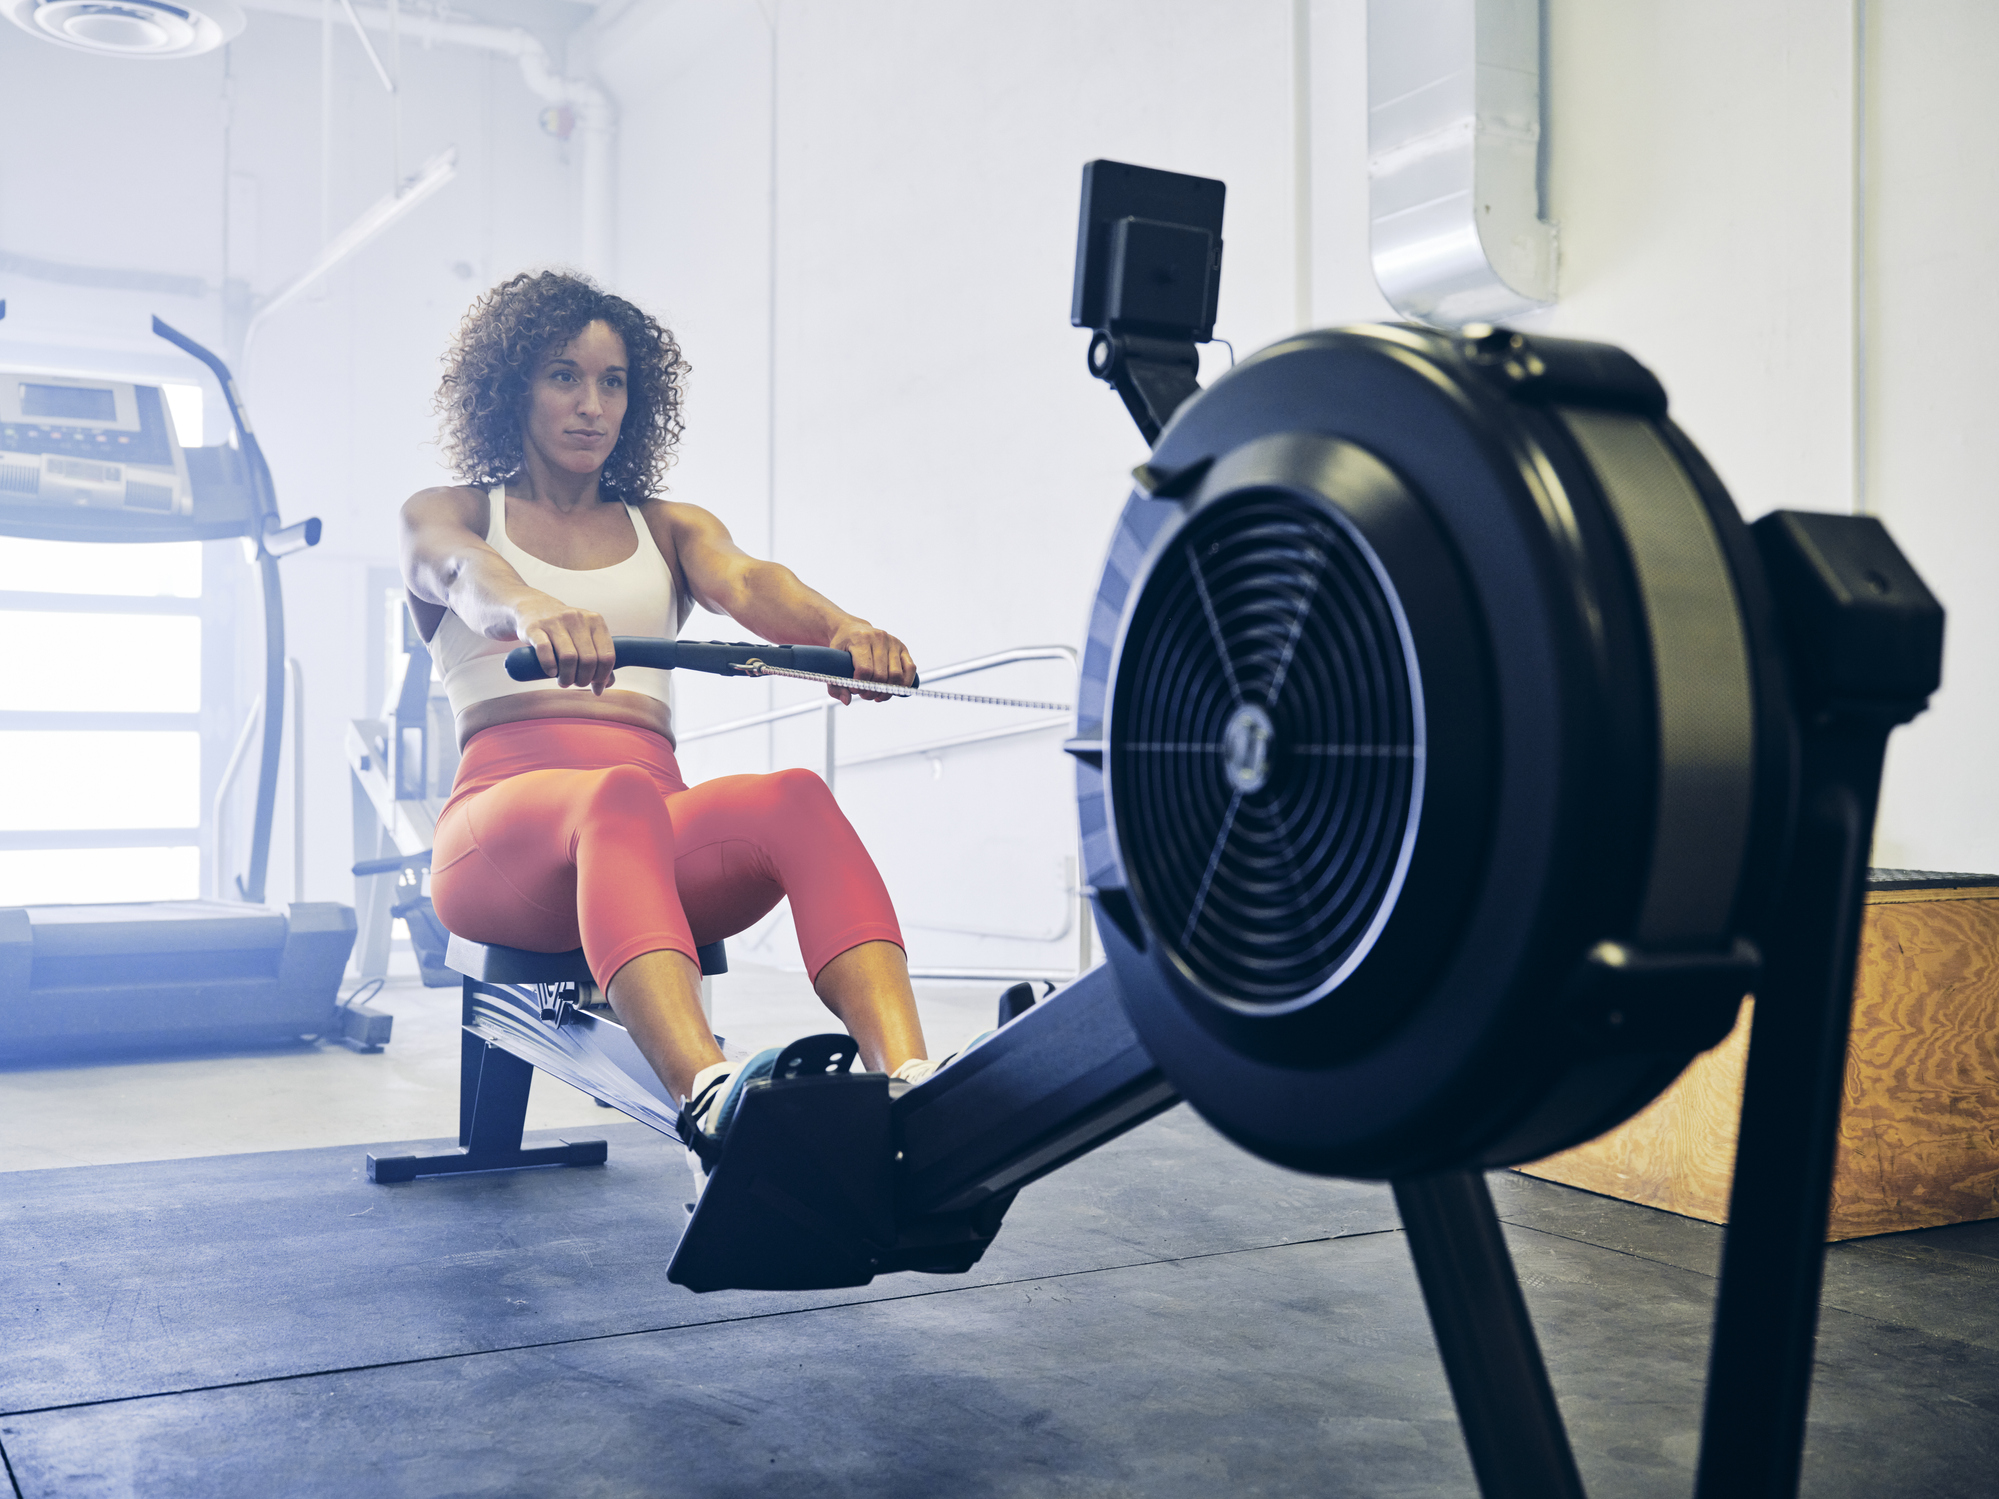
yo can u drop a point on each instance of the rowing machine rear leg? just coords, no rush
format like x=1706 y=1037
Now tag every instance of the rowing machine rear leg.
x=492 y=1116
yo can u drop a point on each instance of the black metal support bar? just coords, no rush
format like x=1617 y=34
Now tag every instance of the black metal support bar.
x=493 y=1112
x=1865 y=641
x=1153 y=376
x=1773 y=1262
x=1512 y=1426
x=402 y=1168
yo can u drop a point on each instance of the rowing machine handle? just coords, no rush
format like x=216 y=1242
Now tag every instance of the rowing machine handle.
x=716 y=656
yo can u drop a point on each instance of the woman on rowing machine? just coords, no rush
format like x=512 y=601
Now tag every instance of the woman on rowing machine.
x=569 y=824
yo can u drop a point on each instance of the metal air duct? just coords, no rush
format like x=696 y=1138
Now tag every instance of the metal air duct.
x=1454 y=130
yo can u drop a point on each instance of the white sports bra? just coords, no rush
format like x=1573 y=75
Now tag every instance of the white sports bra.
x=635 y=597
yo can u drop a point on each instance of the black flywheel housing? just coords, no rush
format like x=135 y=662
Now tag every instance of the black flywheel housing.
x=1433 y=749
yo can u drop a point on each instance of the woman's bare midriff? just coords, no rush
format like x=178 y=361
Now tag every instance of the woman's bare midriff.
x=633 y=708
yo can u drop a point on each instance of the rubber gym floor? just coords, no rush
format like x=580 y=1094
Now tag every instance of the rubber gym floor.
x=191 y=1311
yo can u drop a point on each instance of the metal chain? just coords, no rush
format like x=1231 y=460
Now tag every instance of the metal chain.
x=755 y=668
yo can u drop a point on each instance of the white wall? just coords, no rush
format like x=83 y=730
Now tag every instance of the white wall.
x=931 y=404
x=1699 y=166
x=1703 y=171
x=1932 y=246
x=914 y=431
x=940 y=460
x=942 y=464
x=1708 y=176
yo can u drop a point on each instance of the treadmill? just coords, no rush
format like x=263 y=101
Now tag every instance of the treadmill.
x=83 y=459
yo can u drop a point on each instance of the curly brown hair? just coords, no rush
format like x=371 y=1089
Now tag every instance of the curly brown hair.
x=519 y=323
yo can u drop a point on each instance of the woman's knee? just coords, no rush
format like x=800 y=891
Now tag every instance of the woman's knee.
x=803 y=821
x=801 y=792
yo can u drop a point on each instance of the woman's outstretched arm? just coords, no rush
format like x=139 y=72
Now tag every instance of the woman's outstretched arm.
x=770 y=599
x=448 y=565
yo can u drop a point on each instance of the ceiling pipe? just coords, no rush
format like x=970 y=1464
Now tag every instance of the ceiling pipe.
x=427 y=179
x=374 y=57
x=1457 y=231
x=595 y=116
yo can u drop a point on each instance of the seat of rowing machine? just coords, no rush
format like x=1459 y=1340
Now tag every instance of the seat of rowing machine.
x=490 y=963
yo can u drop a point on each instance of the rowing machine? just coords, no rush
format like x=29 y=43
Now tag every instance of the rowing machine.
x=1451 y=760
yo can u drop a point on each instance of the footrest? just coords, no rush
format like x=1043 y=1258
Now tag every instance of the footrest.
x=403 y=1168
x=803 y=1194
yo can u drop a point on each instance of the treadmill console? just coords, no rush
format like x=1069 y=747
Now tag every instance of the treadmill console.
x=67 y=440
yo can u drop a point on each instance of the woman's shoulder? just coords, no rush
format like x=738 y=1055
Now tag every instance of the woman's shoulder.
x=668 y=519
x=657 y=518
x=464 y=503
x=678 y=515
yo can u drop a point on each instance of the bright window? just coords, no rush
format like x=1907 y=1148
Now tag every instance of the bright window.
x=91 y=779
x=86 y=876
x=111 y=663
x=164 y=570
x=100 y=732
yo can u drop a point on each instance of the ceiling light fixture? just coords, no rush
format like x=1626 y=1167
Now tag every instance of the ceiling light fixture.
x=152 y=29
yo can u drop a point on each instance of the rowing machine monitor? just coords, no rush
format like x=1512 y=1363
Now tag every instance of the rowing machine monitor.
x=1148 y=277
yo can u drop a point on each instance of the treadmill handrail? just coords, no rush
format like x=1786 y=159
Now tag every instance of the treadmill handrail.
x=216 y=880
x=262 y=493
x=265 y=502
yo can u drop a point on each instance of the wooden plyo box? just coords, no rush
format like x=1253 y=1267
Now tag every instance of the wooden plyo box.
x=1919 y=1129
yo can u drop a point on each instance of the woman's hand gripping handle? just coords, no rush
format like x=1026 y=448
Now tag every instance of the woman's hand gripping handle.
x=878 y=657
x=571 y=645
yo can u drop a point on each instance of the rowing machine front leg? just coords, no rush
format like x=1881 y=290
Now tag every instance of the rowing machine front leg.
x=493 y=1087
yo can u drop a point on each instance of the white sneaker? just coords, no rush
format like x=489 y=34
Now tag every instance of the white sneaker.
x=916 y=1069
x=711 y=1108
x=700 y=1116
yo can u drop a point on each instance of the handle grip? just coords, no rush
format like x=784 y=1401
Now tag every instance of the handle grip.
x=718 y=657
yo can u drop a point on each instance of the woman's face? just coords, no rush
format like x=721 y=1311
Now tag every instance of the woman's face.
x=576 y=402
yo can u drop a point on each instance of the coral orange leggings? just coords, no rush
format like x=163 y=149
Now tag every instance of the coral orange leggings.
x=563 y=832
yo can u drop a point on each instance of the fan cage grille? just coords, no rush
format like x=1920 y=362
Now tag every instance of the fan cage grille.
x=1266 y=869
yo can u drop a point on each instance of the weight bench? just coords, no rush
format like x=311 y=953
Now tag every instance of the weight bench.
x=523 y=1010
